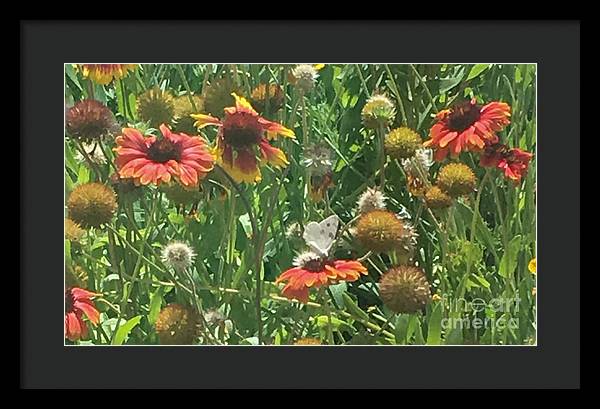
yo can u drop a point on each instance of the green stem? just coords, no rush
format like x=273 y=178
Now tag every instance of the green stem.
x=362 y=80
x=397 y=93
x=382 y=157
x=425 y=87
x=187 y=87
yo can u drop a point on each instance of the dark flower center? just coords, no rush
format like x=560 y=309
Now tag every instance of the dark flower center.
x=69 y=301
x=463 y=116
x=242 y=130
x=163 y=150
x=316 y=265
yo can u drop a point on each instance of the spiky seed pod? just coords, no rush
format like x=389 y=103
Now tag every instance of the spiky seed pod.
x=179 y=194
x=402 y=143
x=271 y=93
x=178 y=256
x=90 y=120
x=308 y=341
x=405 y=289
x=380 y=231
x=304 y=77
x=73 y=231
x=182 y=121
x=92 y=204
x=371 y=199
x=436 y=198
x=177 y=325
x=218 y=96
x=378 y=111
x=156 y=107
x=456 y=179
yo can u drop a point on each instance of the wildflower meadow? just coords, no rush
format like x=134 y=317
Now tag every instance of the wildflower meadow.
x=305 y=204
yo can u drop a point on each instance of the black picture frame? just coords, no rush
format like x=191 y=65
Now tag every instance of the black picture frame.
x=47 y=45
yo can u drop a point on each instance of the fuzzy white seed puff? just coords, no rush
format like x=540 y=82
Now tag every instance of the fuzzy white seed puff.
x=178 y=256
x=371 y=199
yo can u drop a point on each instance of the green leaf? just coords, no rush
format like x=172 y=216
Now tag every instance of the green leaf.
x=508 y=263
x=401 y=328
x=448 y=84
x=477 y=70
x=155 y=304
x=176 y=218
x=125 y=329
x=434 y=330
x=353 y=308
x=336 y=323
x=338 y=291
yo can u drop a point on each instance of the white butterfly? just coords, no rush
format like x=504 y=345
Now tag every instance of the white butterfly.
x=321 y=236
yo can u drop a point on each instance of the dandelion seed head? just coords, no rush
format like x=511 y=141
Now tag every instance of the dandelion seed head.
x=305 y=76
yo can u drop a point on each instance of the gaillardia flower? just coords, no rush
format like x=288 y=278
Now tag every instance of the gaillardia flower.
x=456 y=179
x=514 y=162
x=182 y=120
x=380 y=231
x=378 y=111
x=405 y=289
x=312 y=270
x=371 y=199
x=103 y=74
x=156 y=107
x=92 y=204
x=148 y=159
x=532 y=266
x=270 y=95
x=178 y=256
x=402 y=143
x=77 y=304
x=436 y=198
x=241 y=141
x=177 y=325
x=89 y=121
x=467 y=127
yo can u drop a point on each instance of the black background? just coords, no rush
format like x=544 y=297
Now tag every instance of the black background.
x=46 y=46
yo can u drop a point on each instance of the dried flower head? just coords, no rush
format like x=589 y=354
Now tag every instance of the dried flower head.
x=305 y=76
x=178 y=256
x=183 y=108
x=181 y=195
x=177 y=325
x=436 y=198
x=89 y=121
x=126 y=188
x=380 y=231
x=402 y=143
x=73 y=231
x=218 y=96
x=371 y=199
x=405 y=289
x=92 y=204
x=156 y=107
x=378 y=111
x=316 y=157
x=456 y=179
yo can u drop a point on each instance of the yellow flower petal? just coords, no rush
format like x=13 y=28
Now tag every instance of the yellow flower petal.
x=318 y=66
x=533 y=266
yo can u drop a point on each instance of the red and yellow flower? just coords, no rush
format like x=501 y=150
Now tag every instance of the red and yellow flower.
x=467 y=127
x=314 y=271
x=148 y=159
x=78 y=304
x=514 y=162
x=103 y=74
x=243 y=140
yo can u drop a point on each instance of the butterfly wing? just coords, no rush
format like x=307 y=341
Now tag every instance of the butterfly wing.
x=320 y=236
